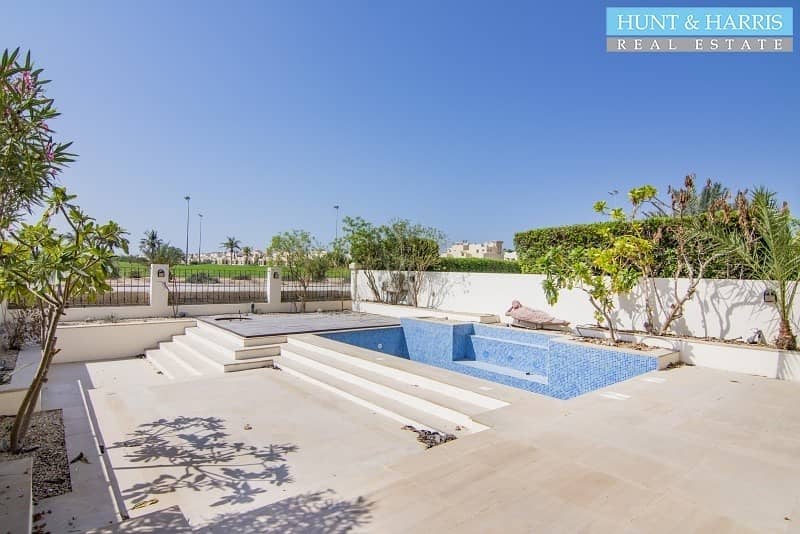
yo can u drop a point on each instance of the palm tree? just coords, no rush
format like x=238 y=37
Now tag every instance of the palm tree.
x=150 y=244
x=247 y=252
x=711 y=194
x=231 y=244
x=767 y=242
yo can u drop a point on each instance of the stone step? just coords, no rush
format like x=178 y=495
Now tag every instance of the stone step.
x=225 y=337
x=231 y=349
x=169 y=365
x=408 y=383
x=393 y=368
x=198 y=365
x=412 y=409
x=214 y=359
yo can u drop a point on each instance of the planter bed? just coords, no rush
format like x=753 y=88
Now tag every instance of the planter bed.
x=737 y=357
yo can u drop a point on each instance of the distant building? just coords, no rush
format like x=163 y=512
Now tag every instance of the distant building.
x=510 y=255
x=492 y=250
x=257 y=257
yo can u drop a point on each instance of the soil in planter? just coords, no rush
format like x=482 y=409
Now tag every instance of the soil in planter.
x=619 y=343
x=8 y=361
x=45 y=443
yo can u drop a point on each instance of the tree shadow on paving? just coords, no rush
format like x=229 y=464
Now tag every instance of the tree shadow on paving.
x=312 y=512
x=199 y=449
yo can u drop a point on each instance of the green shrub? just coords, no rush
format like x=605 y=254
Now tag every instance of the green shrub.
x=318 y=268
x=241 y=276
x=533 y=245
x=201 y=278
x=477 y=265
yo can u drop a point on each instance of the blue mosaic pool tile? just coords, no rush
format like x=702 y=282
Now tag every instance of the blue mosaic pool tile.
x=389 y=340
x=571 y=369
x=513 y=334
x=513 y=354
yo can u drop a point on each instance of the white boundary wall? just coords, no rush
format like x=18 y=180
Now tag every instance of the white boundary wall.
x=724 y=309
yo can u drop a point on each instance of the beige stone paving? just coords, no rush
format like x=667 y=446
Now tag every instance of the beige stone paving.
x=720 y=462
x=687 y=450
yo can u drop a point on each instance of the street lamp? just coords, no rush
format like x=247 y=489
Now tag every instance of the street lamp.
x=613 y=194
x=187 y=198
x=336 y=235
x=200 y=239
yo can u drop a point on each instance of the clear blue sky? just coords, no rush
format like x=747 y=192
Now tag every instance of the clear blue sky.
x=479 y=118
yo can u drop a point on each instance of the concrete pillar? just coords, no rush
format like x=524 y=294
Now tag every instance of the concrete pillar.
x=159 y=291
x=274 y=282
x=354 y=268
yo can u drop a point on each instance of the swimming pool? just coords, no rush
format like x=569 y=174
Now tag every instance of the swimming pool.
x=538 y=362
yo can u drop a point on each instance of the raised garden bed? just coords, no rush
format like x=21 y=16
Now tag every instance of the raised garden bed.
x=45 y=443
x=728 y=355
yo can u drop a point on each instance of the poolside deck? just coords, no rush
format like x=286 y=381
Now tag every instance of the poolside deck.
x=685 y=450
x=279 y=324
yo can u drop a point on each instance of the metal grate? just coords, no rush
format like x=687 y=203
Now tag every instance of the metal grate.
x=130 y=287
x=328 y=288
x=208 y=286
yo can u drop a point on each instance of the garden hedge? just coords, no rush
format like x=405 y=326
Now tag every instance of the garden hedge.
x=532 y=245
x=477 y=265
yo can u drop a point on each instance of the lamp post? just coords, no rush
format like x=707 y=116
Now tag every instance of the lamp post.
x=200 y=238
x=187 y=198
x=613 y=194
x=336 y=234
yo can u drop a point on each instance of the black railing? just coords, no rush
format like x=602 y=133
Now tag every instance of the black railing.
x=209 y=286
x=335 y=287
x=129 y=287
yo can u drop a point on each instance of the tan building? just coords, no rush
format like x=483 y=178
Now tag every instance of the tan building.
x=490 y=249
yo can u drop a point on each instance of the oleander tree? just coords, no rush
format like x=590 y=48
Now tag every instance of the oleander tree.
x=366 y=247
x=30 y=158
x=408 y=251
x=412 y=250
x=300 y=257
x=39 y=264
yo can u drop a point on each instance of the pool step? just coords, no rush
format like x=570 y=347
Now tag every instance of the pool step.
x=378 y=367
x=394 y=400
x=513 y=342
x=504 y=371
x=405 y=383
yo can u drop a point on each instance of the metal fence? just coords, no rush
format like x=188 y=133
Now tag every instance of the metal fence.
x=327 y=288
x=223 y=286
x=130 y=287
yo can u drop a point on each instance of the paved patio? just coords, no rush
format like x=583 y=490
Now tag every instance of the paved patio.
x=689 y=450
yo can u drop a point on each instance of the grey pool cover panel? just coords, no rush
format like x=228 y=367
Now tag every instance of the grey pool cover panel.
x=276 y=324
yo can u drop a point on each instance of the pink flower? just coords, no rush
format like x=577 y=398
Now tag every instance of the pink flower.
x=48 y=152
x=27 y=81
